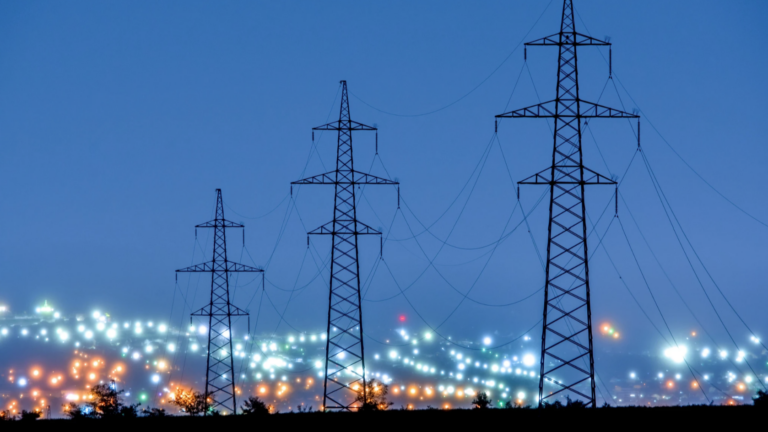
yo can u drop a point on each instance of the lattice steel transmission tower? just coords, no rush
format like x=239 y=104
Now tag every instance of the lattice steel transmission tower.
x=344 y=352
x=567 y=362
x=219 y=373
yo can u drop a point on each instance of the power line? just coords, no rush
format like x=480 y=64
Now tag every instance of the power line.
x=658 y=308
x=679 y=156
x=663 y=199
x=473 y=89
x=262 y=215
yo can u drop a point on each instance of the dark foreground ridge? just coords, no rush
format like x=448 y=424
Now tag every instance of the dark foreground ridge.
x=632 y=417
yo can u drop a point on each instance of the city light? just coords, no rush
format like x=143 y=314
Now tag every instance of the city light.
x=44 y=309
x=438 y=369
x=676 y=354
x=529 y=360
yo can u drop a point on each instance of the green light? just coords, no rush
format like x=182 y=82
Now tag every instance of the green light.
x=610 y=331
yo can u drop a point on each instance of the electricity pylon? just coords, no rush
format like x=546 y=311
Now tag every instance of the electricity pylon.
x=220 y=368
x=567 y=363
x=344 y=352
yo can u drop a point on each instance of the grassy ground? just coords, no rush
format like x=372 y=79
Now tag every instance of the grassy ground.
x=738 y=417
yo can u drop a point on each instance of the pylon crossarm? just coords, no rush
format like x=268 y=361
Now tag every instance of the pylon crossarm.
x=220 y=223
x=567 y=108
x=542 y=110
x=570 y=38
x=216 y=266
x=544 y=177
x=344 y=125
x=344 y=227
x=325 y=178
x=345 y=177
x=368 y=179
x=203 y=311
x=596 y=178
x=540 y=178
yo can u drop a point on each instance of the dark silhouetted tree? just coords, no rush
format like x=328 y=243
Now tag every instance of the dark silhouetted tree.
x=106 y=402
x=190 y=401
x=482 y=401
x=154 y=412
x=553 y=405
x=77 y=412
x=514 y=405
x=254 y=406
x=575 y=404
x=375 y=396
x=761 y=400
x=29 y=415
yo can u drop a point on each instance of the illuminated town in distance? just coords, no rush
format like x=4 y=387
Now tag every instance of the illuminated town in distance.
x=56 y=357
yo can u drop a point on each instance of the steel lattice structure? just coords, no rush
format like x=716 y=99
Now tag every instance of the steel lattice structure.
x=219 y=373
x=344 y=351
x=567 y=362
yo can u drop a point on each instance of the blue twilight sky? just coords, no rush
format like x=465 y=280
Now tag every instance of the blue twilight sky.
x=119 y=119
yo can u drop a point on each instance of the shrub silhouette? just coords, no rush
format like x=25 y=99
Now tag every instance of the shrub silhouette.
x=254 y=406
x=154 y=412
x=190 y=401
x=761 y=400
x=511 y=404
x=575 y=404
x=375 y=396
x=105 y=402
x=552 y=405
x=29 y=415
x=481 y=401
